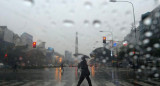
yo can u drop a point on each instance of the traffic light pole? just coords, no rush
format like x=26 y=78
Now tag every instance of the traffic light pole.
x=112 y=40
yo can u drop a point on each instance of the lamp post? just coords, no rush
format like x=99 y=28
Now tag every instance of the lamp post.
x=134 y=20
x=112 y=38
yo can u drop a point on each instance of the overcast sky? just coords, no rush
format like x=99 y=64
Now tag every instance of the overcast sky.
x=57 y=21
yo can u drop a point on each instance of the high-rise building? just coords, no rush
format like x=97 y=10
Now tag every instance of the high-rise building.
x=68 y=56
x=27 y=39
x=6 y=34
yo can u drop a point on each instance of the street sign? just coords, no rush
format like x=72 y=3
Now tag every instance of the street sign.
x=115 y=44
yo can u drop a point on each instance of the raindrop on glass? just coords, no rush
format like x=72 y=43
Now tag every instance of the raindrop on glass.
x=146 y=41
x=104 y=52
x=157 y=14
x=139 y=70
x=86 y=22
x=88 y=5
x=130 y=53
x=96 y=23
x=104 y=61
x=149 y=49
x=156 y=75
x=68 y=23
x=131 y=46
x=135 y=57
x=148 y=34
x=154 y=68
x=128 y=12
x=142 y=66
x=148 y=55
x=156 y=45
x=29 y=2
x=147 y=21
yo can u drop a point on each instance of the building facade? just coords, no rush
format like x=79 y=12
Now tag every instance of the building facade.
x=6 y=34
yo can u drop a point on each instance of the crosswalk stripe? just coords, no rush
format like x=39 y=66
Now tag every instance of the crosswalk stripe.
x=29 y=83
x=109 y=84
x=74 y=84
x=142 y=83
x=126 y=84
x=3 y=83
x=153 y=82
x=15 y=83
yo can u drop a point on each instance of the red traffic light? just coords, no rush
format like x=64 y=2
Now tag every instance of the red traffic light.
x=34 y=44
x=5 y=55
x=104 y=39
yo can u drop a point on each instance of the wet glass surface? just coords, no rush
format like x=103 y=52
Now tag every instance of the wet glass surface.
x=60 y=42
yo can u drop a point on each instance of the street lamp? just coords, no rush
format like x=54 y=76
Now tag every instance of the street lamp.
x=134 y=21
x=112 y=38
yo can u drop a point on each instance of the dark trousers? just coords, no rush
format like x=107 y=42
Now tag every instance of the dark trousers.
x=82 y=77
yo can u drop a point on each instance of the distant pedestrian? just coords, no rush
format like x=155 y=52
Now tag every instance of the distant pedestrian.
x=15 y=67
x=84 y=72
x=62 y=67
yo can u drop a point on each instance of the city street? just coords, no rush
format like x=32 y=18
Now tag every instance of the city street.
x=56 y=77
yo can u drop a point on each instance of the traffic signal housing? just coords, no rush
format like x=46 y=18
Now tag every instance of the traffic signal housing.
x=5 y=56
x=34 y=44
x=104 y=39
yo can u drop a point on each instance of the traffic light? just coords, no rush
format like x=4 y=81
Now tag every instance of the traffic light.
x=5 y=56
x=34 y=44
x=104 y=39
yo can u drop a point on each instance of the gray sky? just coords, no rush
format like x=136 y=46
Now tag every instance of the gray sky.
x=57 y=21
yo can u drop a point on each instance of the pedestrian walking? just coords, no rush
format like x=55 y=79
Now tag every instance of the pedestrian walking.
x=84 y=72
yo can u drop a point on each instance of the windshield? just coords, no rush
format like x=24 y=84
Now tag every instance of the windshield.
x=79 y=42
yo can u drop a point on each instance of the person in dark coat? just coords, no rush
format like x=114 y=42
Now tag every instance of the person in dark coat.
x=84 y=72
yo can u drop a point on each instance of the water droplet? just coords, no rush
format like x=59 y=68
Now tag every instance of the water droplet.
x=154 y=68
x=128 y=12
x=149 y=49
x=156 y=45
x=157 y=14
x=29 y=2
x=135 y=57
x=146 y=41
x=131 y=46
x=104 y=52
x=156 y=75
x=139 y=70
x=104 y=61
x=86 y=22
x=148 y=55
x=96 y=23
x=142 y=66
x=147 y=21
x=88 y=5
x=68 y=23
x=130 y=53
x=148 y=34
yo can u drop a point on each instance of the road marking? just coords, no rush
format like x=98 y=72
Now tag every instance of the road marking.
x=30 y=83
x=109 y=83
x=15 y=83
x=126 y=84
x=142 y=83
